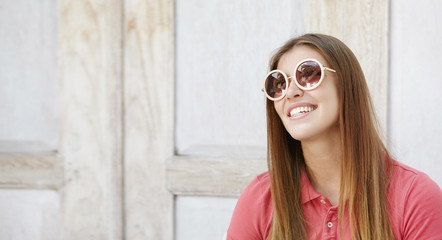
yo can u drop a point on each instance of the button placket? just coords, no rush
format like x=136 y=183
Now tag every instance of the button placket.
x=330 y=227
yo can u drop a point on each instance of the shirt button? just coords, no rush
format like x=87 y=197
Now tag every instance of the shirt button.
x=322 y=201
x=330 y=224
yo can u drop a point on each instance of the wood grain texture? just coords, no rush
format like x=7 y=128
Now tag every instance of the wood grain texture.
x=31 y=171
x=148 y=122
x=211 y=176
x=364 y=27
x=90 y=60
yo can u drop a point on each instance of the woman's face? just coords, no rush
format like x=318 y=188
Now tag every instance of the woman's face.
x=308 y=115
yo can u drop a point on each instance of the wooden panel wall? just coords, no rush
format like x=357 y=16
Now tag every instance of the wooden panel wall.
x=98 y=49
x=149 y=118
x=415 y=129
x=29 y=165
x=29 y=214
x=221 y=59
x=31 y=171
x=28 y=76
x=364 y=26
x=105 y=120
x=91 y=118
x=222 y=54
x=212 y=176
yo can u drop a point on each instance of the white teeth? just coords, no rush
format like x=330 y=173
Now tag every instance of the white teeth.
x=300 y=110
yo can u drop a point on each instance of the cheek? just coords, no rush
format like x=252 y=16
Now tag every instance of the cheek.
x=333 y=105
x=335 y=99
x=279 y=107
x=332 y=99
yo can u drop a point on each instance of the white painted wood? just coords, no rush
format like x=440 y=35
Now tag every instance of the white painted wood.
x=363 y=25
x=212 y=176
x=29 y=215
x=90 y=59
x=202 y=218
x=148 y=122
x=25 y=146
x=28 y=73
x=19 y=170
x=225 y=151
x=29 y=121
x=222 y=53
x=415 y=92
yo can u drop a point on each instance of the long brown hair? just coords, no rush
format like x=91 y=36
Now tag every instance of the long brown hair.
x=365 y=161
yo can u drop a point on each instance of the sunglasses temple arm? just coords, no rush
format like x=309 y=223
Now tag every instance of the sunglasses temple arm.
x=331 y=70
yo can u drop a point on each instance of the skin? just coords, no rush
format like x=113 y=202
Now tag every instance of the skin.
x=318 y=130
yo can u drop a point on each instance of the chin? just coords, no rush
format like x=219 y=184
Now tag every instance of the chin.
x=300 y=136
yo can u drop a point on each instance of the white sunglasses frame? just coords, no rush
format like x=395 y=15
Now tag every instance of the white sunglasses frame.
x=294 y=75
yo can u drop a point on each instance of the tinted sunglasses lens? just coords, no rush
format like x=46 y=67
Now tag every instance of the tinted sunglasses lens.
x=275 y=85
x=308 y=74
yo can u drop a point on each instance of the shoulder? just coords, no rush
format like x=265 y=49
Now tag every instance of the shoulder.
x=403 y=172
x=407 y=182
x=261 y=183
x=412 y=185
x=253 y=212
x=415 y=203
x=257 y=193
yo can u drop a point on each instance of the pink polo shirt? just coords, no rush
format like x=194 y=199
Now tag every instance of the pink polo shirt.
x=415 y=209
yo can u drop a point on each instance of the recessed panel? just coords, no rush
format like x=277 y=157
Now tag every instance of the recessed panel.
x=415 y=127
x=29 y=215
x=28 y=76
x=222 y=54
x=202 y=218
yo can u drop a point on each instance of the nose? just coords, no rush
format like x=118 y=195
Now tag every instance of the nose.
x=293 y=90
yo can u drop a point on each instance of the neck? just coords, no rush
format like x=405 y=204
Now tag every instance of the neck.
x=323 y=162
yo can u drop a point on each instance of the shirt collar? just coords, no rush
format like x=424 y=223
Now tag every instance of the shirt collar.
x=308 y=193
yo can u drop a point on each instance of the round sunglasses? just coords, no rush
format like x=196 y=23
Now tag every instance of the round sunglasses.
x=308 y=74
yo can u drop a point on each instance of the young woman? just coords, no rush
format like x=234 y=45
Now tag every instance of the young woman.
x=330 y=176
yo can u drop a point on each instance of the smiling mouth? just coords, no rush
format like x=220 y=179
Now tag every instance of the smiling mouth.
x=300 y=110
